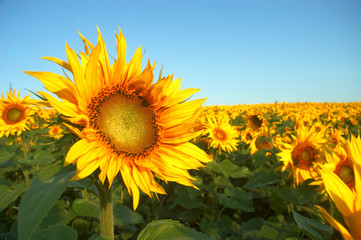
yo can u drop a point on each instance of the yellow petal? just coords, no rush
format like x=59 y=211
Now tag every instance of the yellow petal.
x=57 y=84
x=66 y=108
x=335 y=224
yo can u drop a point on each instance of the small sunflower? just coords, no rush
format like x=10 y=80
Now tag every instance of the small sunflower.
x=261 y=140
x=302 y=155
x=55 y=131
x=126 y=124
x=255 y=121
x=14 y=113
x=221 y=134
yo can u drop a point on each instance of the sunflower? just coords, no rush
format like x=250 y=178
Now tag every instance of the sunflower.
x=55 y=131
x=15 y=113
x=302 y=156
x=255 y=121
x=261 y=140
x=340 y=163
x=221 y=134
x=347 y=200
x=127 y=124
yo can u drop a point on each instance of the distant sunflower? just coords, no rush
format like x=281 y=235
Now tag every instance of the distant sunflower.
x=127 y=124
x=302 y=155
x=261 y=140
x=14 y=113
x=55 y=131
x=255 y=121
x=221 y=134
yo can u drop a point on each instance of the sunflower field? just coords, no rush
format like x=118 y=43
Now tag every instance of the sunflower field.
x=116 y=156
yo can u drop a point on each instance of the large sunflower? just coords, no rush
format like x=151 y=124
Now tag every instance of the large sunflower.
x=302 y=156
x=346 y=199
x=127 y=124
x=14 y=113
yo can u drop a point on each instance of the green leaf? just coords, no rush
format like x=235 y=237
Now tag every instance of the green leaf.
x=10 y=194
x=86 y=208
x=169 y=229
x=236 y=198
x=309 y=227
x=58 y=215
x=259 y=158
x=229 y=169
x=261 y=179
x=41 y=195
x=41 y=157
x=57 y=232
x=276 y=203
x=268 y=232
x=124 y=215
x=5 y=155
x=251 y=228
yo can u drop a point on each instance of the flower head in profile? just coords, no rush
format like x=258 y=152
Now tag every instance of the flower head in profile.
x=303 y=154
x=15 y=113
x=127 y=124
x=346 y=199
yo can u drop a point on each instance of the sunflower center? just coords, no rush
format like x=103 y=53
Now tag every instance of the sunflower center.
x=220 y=134
x=263 y=144
x=13 y=115
x=125 y=122
x=256 y=122
x=345 y=172
x=303 y=157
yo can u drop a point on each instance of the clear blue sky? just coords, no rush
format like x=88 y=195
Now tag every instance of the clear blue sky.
x=236 y=52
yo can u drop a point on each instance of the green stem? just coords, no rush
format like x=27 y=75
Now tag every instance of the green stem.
x=27 y=178
x=106 y=211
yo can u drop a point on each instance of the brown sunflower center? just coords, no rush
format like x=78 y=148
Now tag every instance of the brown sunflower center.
x=125 y=122
x=263 y=144
x=344 y=170
x=256 y=122
x=303 y=157
x=13 y=115
x=220 y=134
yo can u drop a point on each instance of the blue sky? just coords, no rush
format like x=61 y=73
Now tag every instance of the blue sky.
x=236 y=52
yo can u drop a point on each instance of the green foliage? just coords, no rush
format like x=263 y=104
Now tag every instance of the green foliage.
x=41 y=195
x=169 y=229
x=240 y=196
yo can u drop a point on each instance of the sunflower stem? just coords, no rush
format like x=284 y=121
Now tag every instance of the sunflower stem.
x=106 y=211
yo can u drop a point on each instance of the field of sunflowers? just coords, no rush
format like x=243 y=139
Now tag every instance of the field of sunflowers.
x=265 y=180
x=115 y=156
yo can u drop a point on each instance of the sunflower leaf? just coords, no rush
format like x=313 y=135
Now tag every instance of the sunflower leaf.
x=55 y=232
x=312 y=228
x=41 y=195
x=169 y=229
x=10 y=194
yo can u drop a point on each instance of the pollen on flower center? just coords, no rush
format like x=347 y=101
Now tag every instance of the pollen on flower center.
x=345 y=171
x=303 y=157
x=220 y=134
x=125 y=122
x=13 y=115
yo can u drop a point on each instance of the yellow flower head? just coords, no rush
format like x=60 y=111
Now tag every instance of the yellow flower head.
x=55 y=131
x=347 y=200
x=302 y=155
x=15 y=113
x=127 y=123
x=221 y=133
